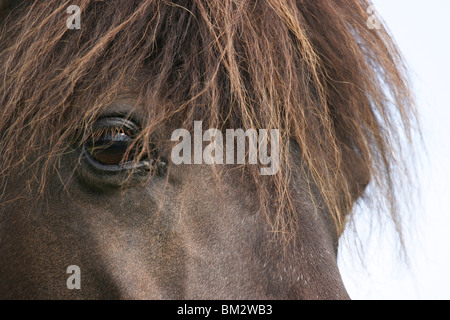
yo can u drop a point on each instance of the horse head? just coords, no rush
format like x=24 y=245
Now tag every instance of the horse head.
x=88 y=115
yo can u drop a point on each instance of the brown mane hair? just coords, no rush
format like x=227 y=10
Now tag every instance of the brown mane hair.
x=312 y=69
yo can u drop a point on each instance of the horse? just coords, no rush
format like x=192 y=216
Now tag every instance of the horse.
x=94 y=207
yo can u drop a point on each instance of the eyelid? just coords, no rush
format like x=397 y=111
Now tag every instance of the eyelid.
x=116 y=122
x=112 y=134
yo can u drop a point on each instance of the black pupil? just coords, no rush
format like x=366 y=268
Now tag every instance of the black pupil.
x=109 y=147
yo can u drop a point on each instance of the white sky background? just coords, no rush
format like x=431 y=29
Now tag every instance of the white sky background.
x=422 y=31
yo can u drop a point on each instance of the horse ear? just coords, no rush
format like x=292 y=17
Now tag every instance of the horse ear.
x=7 y=5
x=358 y=172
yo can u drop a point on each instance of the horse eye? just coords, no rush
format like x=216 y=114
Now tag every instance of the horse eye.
x=109 y=148
x=111 y=141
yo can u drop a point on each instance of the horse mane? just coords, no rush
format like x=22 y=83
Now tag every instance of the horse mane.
x=312 y=69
